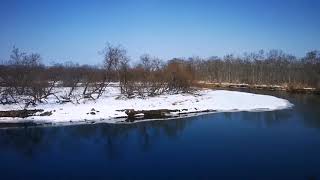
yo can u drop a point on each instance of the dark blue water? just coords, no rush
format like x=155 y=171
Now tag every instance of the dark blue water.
x=281 y=144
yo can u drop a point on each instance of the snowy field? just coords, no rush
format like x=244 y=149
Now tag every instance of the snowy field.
x=107 y=107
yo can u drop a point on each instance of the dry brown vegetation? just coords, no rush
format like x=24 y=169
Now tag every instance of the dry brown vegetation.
x=25 y=77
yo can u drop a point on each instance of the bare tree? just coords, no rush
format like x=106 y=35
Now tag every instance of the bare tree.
x=117 y=63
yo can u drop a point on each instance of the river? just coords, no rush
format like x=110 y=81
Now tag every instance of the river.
x=282 y=144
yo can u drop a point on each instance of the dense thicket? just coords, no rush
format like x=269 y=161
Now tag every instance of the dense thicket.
x=24 y=75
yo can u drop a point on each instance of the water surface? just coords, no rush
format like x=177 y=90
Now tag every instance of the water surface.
x=282 y=144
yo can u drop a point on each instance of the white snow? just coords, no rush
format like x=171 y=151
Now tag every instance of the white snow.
x=106 y=107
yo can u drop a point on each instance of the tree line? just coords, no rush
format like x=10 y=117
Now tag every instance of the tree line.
x=261 y=68
x=23 y=77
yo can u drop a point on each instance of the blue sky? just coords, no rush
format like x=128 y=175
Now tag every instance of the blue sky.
x=62 y=30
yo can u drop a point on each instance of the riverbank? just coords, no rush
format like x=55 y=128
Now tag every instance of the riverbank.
x=203 y=84
x=114 y=108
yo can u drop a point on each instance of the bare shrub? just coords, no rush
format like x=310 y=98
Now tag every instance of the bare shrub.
x=150 y=76
x=24 y=77
x=179 y=76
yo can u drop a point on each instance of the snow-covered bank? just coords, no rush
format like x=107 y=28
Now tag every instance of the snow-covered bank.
x=107 y=107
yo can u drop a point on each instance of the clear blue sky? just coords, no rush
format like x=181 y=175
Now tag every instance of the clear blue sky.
x=76 y=30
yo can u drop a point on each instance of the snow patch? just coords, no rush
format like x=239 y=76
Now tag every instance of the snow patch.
x=107 y=107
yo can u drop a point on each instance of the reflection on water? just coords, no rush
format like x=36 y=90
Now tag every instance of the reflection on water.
x=29 y=141
x=276 y=144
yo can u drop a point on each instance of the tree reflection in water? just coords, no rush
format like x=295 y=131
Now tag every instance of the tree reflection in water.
x=111 y=137
x=27 y=141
